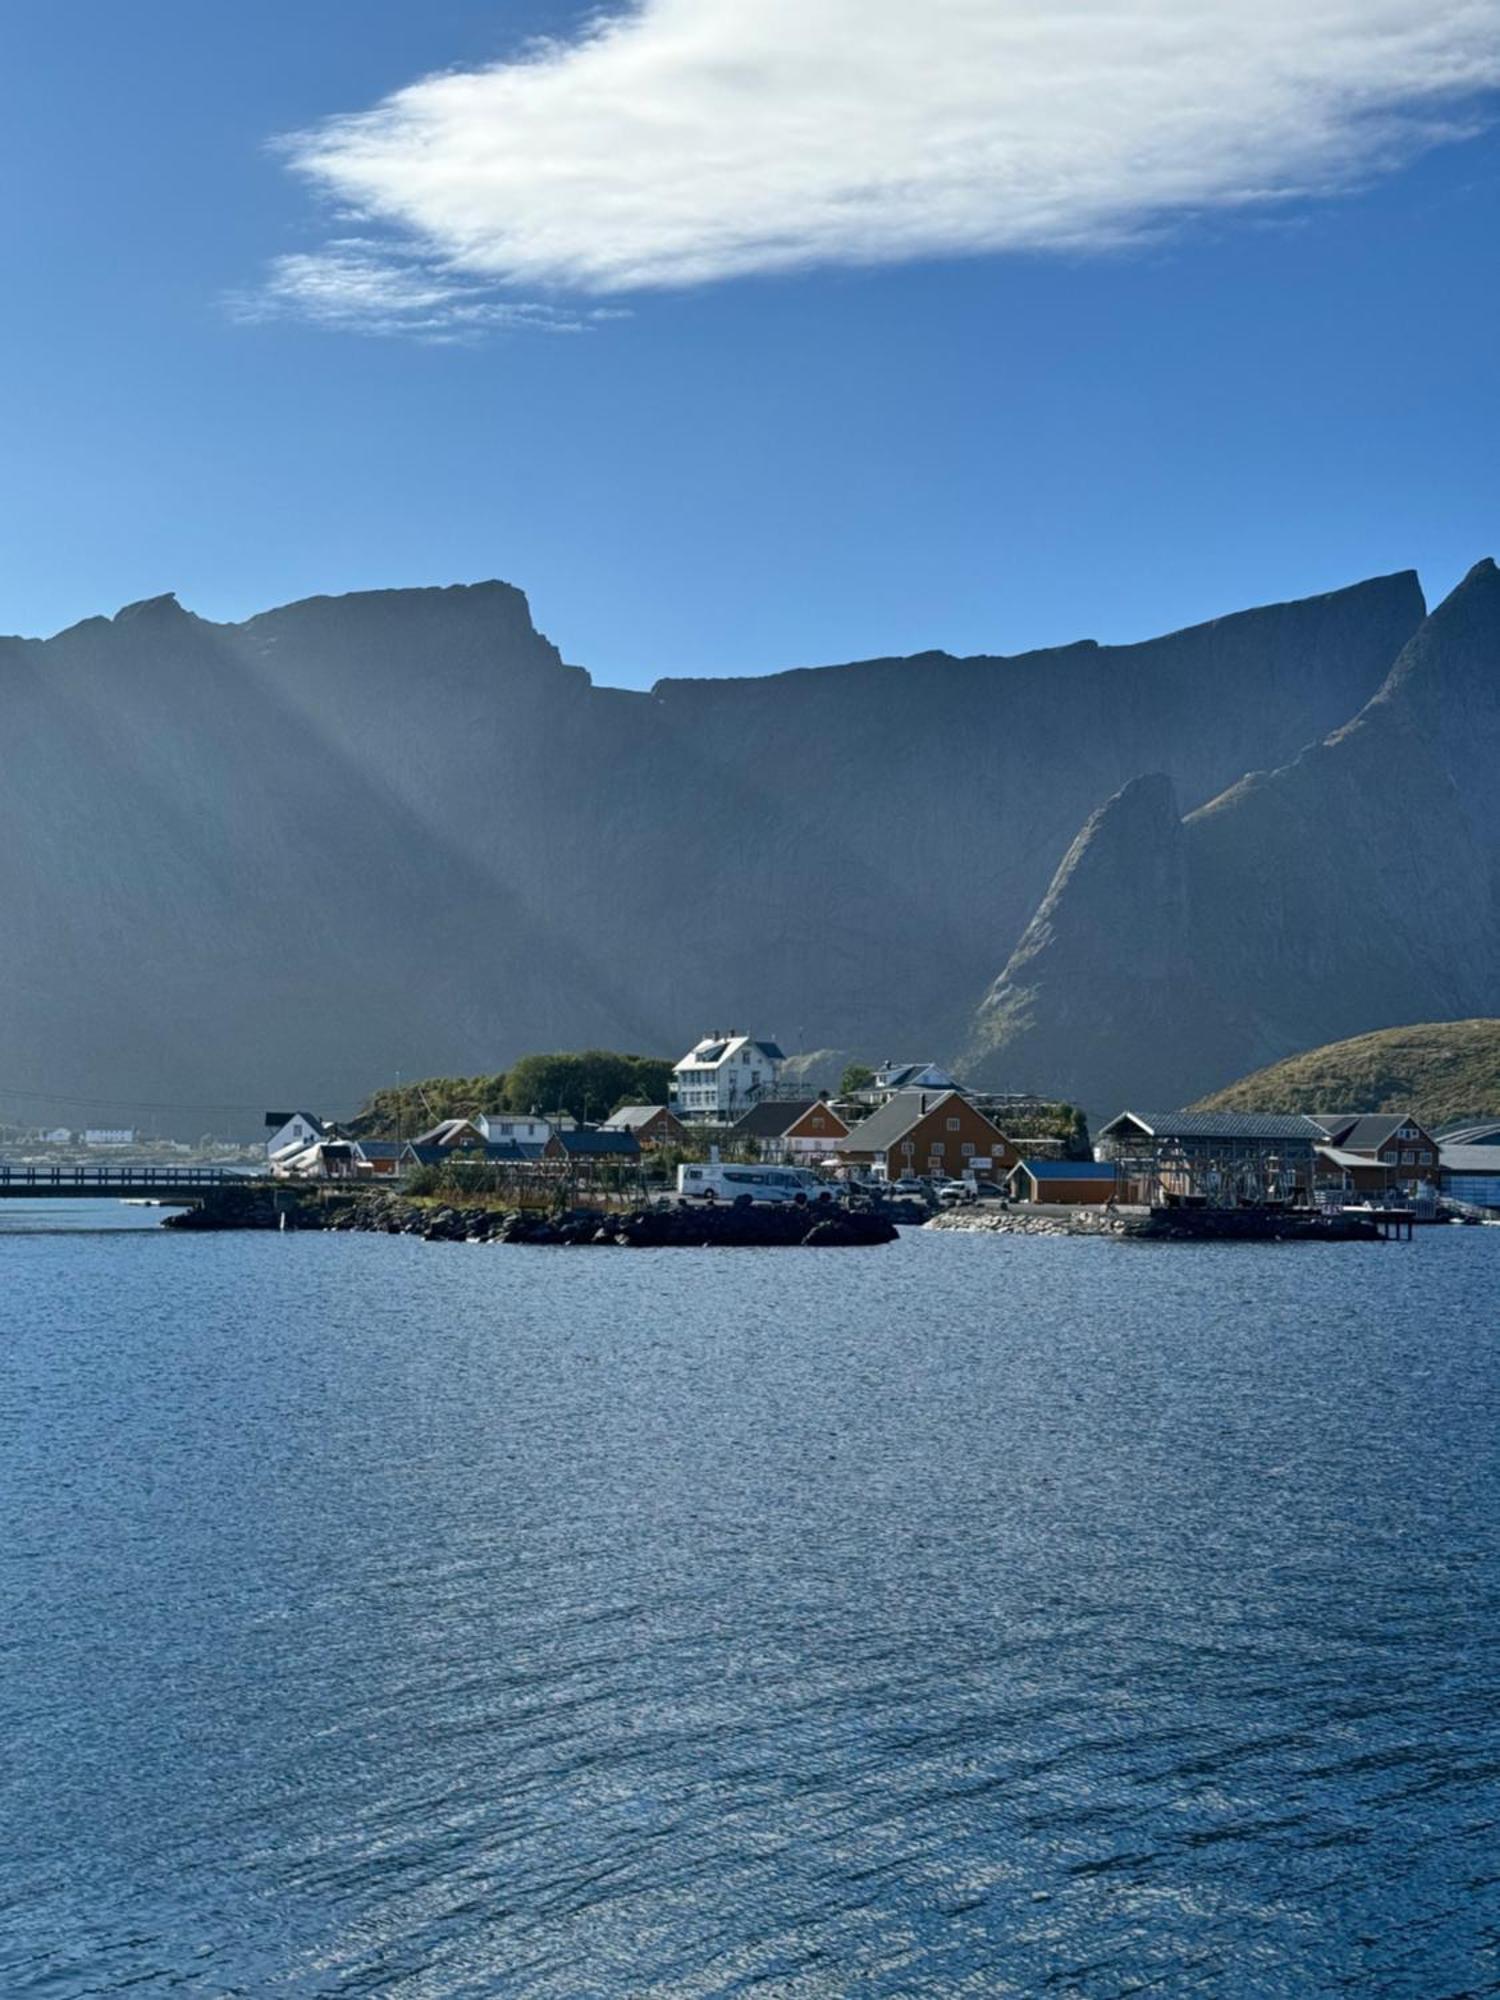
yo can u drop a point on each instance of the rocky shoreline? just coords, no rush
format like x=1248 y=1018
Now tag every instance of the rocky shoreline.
x=1034 y=1222
x=1163 y=1225
x=665 y=1227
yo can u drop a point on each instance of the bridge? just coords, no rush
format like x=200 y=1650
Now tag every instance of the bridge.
x=173 y=1187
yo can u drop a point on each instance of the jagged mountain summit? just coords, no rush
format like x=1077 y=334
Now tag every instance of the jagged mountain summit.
x=1355 y=886
x=397 y=831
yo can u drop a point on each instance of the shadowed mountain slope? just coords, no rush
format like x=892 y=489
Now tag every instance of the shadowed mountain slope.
x=396 y=831
x=1355 y=886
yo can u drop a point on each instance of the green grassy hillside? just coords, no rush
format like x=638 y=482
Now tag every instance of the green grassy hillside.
x=1441 y=1070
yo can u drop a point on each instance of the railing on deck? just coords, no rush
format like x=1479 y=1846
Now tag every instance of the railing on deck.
x=147 y=1179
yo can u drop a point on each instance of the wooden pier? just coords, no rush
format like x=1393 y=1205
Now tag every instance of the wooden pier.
x=173 y=1187
x=1395 y=1224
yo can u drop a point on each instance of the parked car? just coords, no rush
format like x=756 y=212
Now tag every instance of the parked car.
x=908 y=1184
x=713 y=1183
x=986 y=1190
x=953 y=1194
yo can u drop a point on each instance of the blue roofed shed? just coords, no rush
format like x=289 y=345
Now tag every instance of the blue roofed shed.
x=1069 y=1183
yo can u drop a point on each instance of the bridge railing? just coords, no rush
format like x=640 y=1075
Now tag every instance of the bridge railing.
x=144 y=1178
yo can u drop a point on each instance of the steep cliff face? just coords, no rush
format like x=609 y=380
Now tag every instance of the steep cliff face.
x=1109 y=949
x=1354 y=887
x=398 y=831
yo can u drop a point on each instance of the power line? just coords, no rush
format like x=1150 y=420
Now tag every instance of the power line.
x=121 y=1103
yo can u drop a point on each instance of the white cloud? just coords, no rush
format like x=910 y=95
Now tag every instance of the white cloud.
x=691 y=140
x=358 y=286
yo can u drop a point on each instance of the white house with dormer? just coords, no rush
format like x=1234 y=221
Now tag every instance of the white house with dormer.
x=723 y=1075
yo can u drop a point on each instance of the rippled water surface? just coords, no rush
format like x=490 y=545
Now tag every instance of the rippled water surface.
x=978 y=1616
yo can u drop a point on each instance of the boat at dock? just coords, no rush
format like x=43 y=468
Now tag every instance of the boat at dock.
x=1270 y=1222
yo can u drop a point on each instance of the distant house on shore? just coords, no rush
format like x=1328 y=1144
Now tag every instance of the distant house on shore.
x=722 y=1076
x=497 y=1153
x=500 y=1127
x=292 y=1131
x=486 y=1130
x=894 y=1076
x=326 y=1159
x=1072 y=1183
x=453 y=1135
x=1390 y=1141
x=938 y=1133
x=803 y=1128
x=653 y=1125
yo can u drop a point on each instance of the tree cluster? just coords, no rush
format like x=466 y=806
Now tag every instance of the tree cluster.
x=586 y=1084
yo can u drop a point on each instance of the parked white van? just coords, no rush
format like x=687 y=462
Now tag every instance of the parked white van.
x=709 y=1181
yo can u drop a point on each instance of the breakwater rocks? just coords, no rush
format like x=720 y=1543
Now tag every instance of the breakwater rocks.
x=1166 y=1225
x=753 y=1226
x=1034 y=1221
x=668 y=1226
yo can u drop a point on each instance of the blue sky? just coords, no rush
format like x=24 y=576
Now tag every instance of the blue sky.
x=1074 y=384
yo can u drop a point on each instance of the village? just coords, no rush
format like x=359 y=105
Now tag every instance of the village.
x=733 y=1129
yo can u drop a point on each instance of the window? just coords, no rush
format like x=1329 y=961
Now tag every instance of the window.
x=937 y=1149
x=908 y=1146
x=954 y=1124
x=968 y=1150
x=1408 y=1159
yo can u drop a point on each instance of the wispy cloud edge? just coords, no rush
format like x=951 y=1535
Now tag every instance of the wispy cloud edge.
x=685 y=142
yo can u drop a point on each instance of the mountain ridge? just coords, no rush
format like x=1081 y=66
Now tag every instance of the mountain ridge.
x=397 y=830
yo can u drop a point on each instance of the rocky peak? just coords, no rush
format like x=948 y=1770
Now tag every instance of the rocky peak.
x=162 y=610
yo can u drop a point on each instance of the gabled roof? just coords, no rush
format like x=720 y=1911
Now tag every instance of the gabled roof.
x=632 y=1117
x=1221 y=1125
x=1335 y=1123
x=1337 y=1157
x=447 y=1132
x=771 y=1119
x=587 y=1144
x=896 y=1117
x=1366 y=1133
x=276 y=1119
x=1067 y=1170
x=714 y=1048
x=903 y=1076
x=381 y=1149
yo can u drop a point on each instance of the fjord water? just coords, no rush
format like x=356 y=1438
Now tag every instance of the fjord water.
x=980 y=1616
